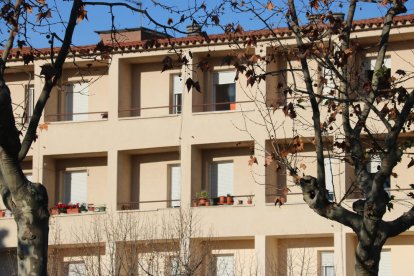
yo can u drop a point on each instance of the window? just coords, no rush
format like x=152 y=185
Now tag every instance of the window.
x=385 y=263
x=75 y=269
x=224 y=90
x=383 y=81
x=29 y=101
x=221 y=178
x=76 y=102
x=329 y=86
x=327 y=263
x=177 y=96
x=175 y=182
x=373 y=166
x=329 y=178
x=223 y=265
x=75 y=187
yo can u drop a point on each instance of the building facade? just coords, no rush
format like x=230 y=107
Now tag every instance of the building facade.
x=139 y=150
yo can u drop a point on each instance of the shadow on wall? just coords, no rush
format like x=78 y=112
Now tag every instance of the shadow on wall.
x=8 y=261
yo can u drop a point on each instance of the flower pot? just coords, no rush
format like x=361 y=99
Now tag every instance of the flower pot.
x=222 y=200
x=2 y=213
x=91 y=207
x=72 y=211
x=202 y=202
x=229 y=200
x=207 y=203
x=249 y=201
x=54 y=211
x=195 y=204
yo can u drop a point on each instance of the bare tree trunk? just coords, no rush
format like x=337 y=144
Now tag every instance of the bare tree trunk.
x=28 y=201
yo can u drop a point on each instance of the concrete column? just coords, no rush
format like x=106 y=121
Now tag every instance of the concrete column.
x=114 y=87
x=185 y=138
x=266 y=255
x=339 y=251
x=112 y=176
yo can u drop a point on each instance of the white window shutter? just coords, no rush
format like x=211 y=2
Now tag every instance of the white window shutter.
x=328 y=174
x=221 y=175
x=369 y=63
x=327 y=263
x=224 y=265
x=224 y=77
x=385 y=263
x=330 y=83
x=80 y=101
x=177 y=85
x=175 y=185
x=75 y=187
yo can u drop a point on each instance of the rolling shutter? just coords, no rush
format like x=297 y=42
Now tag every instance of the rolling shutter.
x=75 y=187
x=221 y=179
x=76 y=103
x=329 y=176
x=175 y=185
x=327 y=263
x=385 y=263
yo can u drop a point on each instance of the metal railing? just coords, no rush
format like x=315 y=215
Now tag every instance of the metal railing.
x=138 y=111
x=76 y=117
x=221 y=106
x=135 y=205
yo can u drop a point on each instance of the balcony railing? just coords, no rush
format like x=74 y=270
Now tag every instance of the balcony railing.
x=77 y=117
x=222 y=106
x=150 y=111
x=136 y=205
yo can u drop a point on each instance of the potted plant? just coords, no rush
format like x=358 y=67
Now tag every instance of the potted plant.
x=83 y=208
x=73 y=209
x=91 y=207
x=250 y=200
x=202 y=198
x=230 y=200
x=61 y=208
x=54 y=211
x=222 y=200
x=2 y=213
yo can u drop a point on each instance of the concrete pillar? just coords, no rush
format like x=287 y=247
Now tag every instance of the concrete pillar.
x=266 y=255
x=112 y=173
x=185 y=139
x=339 y=251
x=114 y=87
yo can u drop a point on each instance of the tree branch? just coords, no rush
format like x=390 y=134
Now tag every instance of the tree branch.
x=51 y=81
x=317 y=200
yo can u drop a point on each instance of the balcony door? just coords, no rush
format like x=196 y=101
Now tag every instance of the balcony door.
x=221 y=178
x=76 y=102
x=175 y=182
x=75 y=187
x=224 y=90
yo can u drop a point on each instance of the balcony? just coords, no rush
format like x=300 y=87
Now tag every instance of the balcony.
x=145 y=91
x=149 y=180
x=76 y=179
x=220 y=177
x=82 y=96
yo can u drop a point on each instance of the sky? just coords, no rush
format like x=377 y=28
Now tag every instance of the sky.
x=99 y=18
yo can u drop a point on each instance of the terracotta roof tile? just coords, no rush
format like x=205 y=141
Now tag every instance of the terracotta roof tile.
x=214 y=38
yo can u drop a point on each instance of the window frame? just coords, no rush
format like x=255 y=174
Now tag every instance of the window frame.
x=176 y=108
x=214 y=82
